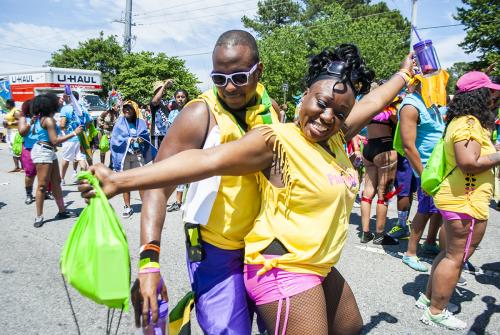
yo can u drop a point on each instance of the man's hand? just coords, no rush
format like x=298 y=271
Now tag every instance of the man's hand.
x=168 y=83
x=104 y=175
x=144 y=295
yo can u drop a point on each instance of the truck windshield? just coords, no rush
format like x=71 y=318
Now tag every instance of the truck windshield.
x=94 y=102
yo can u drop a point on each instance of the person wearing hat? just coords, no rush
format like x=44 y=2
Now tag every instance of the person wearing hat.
x=130 y=145
x=159 y=112
x=464 y=195
x=421 y=128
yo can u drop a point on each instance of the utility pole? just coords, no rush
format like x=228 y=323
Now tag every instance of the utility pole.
x=413 y=21
x=127 y=36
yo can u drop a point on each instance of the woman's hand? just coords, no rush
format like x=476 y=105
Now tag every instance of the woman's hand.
x=409 y=63
x=104 y=175
x=78 y=130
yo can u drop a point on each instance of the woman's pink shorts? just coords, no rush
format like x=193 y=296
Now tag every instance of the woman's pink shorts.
x=448 y=216
x=27 y=163
x=276 y=284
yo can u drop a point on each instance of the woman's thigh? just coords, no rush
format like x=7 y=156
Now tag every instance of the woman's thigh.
x=457 y=232
x=341 y=306
x=43 y=173
x=305 y=314
x=370 y=181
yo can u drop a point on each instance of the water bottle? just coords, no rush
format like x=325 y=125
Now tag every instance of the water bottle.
x=161 y=325
x=427 y=58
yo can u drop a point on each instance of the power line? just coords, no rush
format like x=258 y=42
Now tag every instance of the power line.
x=212 y=15
x=7 y=62
x=165 y=8
x=197 y=9
x=20 y=47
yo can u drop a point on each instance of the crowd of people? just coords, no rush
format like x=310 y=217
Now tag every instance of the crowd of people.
x=269 y=200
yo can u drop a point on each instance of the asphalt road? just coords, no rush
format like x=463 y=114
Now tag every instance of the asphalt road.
x=33 y=299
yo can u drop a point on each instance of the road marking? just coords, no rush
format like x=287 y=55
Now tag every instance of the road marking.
x=380 y=251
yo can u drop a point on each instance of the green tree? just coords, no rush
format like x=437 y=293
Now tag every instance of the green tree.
x=140 y=70
x=284 y=51
x=480 y=18
x=133 y=74
x=455 y=72
x=102 y=53
x=272 y=14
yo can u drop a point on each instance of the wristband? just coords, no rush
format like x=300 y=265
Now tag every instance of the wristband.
x=149 y=270
x=403 y=76
x=149 y=252
x=74 y=134
x=147 y=264
x=407 y=72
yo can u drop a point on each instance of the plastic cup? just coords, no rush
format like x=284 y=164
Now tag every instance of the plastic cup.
x=161 y=325
x=427 y=58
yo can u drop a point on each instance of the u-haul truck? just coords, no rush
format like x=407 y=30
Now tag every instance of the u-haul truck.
x=26 y=84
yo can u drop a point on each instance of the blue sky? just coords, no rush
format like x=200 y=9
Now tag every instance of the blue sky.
x=30 y=30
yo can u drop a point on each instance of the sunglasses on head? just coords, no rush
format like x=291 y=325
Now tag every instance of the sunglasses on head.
x=339 y=69
x=237 y=78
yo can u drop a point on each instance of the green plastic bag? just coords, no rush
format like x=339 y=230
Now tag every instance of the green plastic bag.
x=104 y=143
x=397 y=143
x=95 y=259
x=17 y=145
x=436 y=170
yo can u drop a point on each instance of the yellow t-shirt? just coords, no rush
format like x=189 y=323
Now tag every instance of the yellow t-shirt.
x=310 y=214
x=468 y=193
x=10 y=117
x=237 y=203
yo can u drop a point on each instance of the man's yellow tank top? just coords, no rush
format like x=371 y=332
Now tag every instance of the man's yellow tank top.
x=310 y=214
x=237 y=203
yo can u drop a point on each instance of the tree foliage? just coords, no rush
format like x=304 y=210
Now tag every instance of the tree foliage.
x=482 y=23
x=133 y=74
x=383 y=41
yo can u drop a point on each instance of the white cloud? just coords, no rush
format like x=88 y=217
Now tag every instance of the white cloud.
x=450 y=52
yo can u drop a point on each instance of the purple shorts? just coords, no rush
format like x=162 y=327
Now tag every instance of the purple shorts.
x=425 y=202
x=405 y=178
x=28 y=165
x=221 y=302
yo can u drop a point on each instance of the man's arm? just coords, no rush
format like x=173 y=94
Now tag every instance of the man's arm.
x=408 y=118
x=156 y=99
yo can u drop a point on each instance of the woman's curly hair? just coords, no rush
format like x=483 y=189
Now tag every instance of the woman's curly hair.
x=473 y=103
x=359 y=73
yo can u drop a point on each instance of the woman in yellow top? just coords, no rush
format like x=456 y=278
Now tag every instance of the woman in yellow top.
x=464 y=196
x=10 y=122
x=308 y=187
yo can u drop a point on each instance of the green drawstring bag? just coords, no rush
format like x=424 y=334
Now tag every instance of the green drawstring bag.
x=95 y=258
x=436 y=170
x=104 y=143
x=397 y=143
x=17 y=145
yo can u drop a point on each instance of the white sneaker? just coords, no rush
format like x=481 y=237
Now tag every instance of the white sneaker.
x=127 y=212
x=73 y=177
x=444 y=319
x=423 y=303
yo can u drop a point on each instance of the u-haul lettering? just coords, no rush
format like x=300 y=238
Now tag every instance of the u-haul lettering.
x=76 y=79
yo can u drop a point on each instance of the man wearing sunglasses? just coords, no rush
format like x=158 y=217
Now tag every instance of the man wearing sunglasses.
x=237 y=103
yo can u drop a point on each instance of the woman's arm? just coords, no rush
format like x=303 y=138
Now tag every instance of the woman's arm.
x=467 y=156
x=50 y=124
x=375 y=101
x=408 y=119
x=247 y=155
x=22 y=126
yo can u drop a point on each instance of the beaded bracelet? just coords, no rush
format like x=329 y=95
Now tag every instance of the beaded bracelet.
x=407 y=72
x=403 y=76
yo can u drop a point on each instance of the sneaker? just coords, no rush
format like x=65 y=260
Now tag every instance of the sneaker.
x=29 y=199
x=399 y=233
x=431 y=248
x=469 y=267
x=366 y=237
x=414 y=263
x=174 y=207
x=63 y=182
x=444 y=319
x=356 y=204
x=38 y=222
x=423 y=303
x=49 y=196
x=127 y=212
x=384 y=239
x=462 y=281
x=65 y=215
